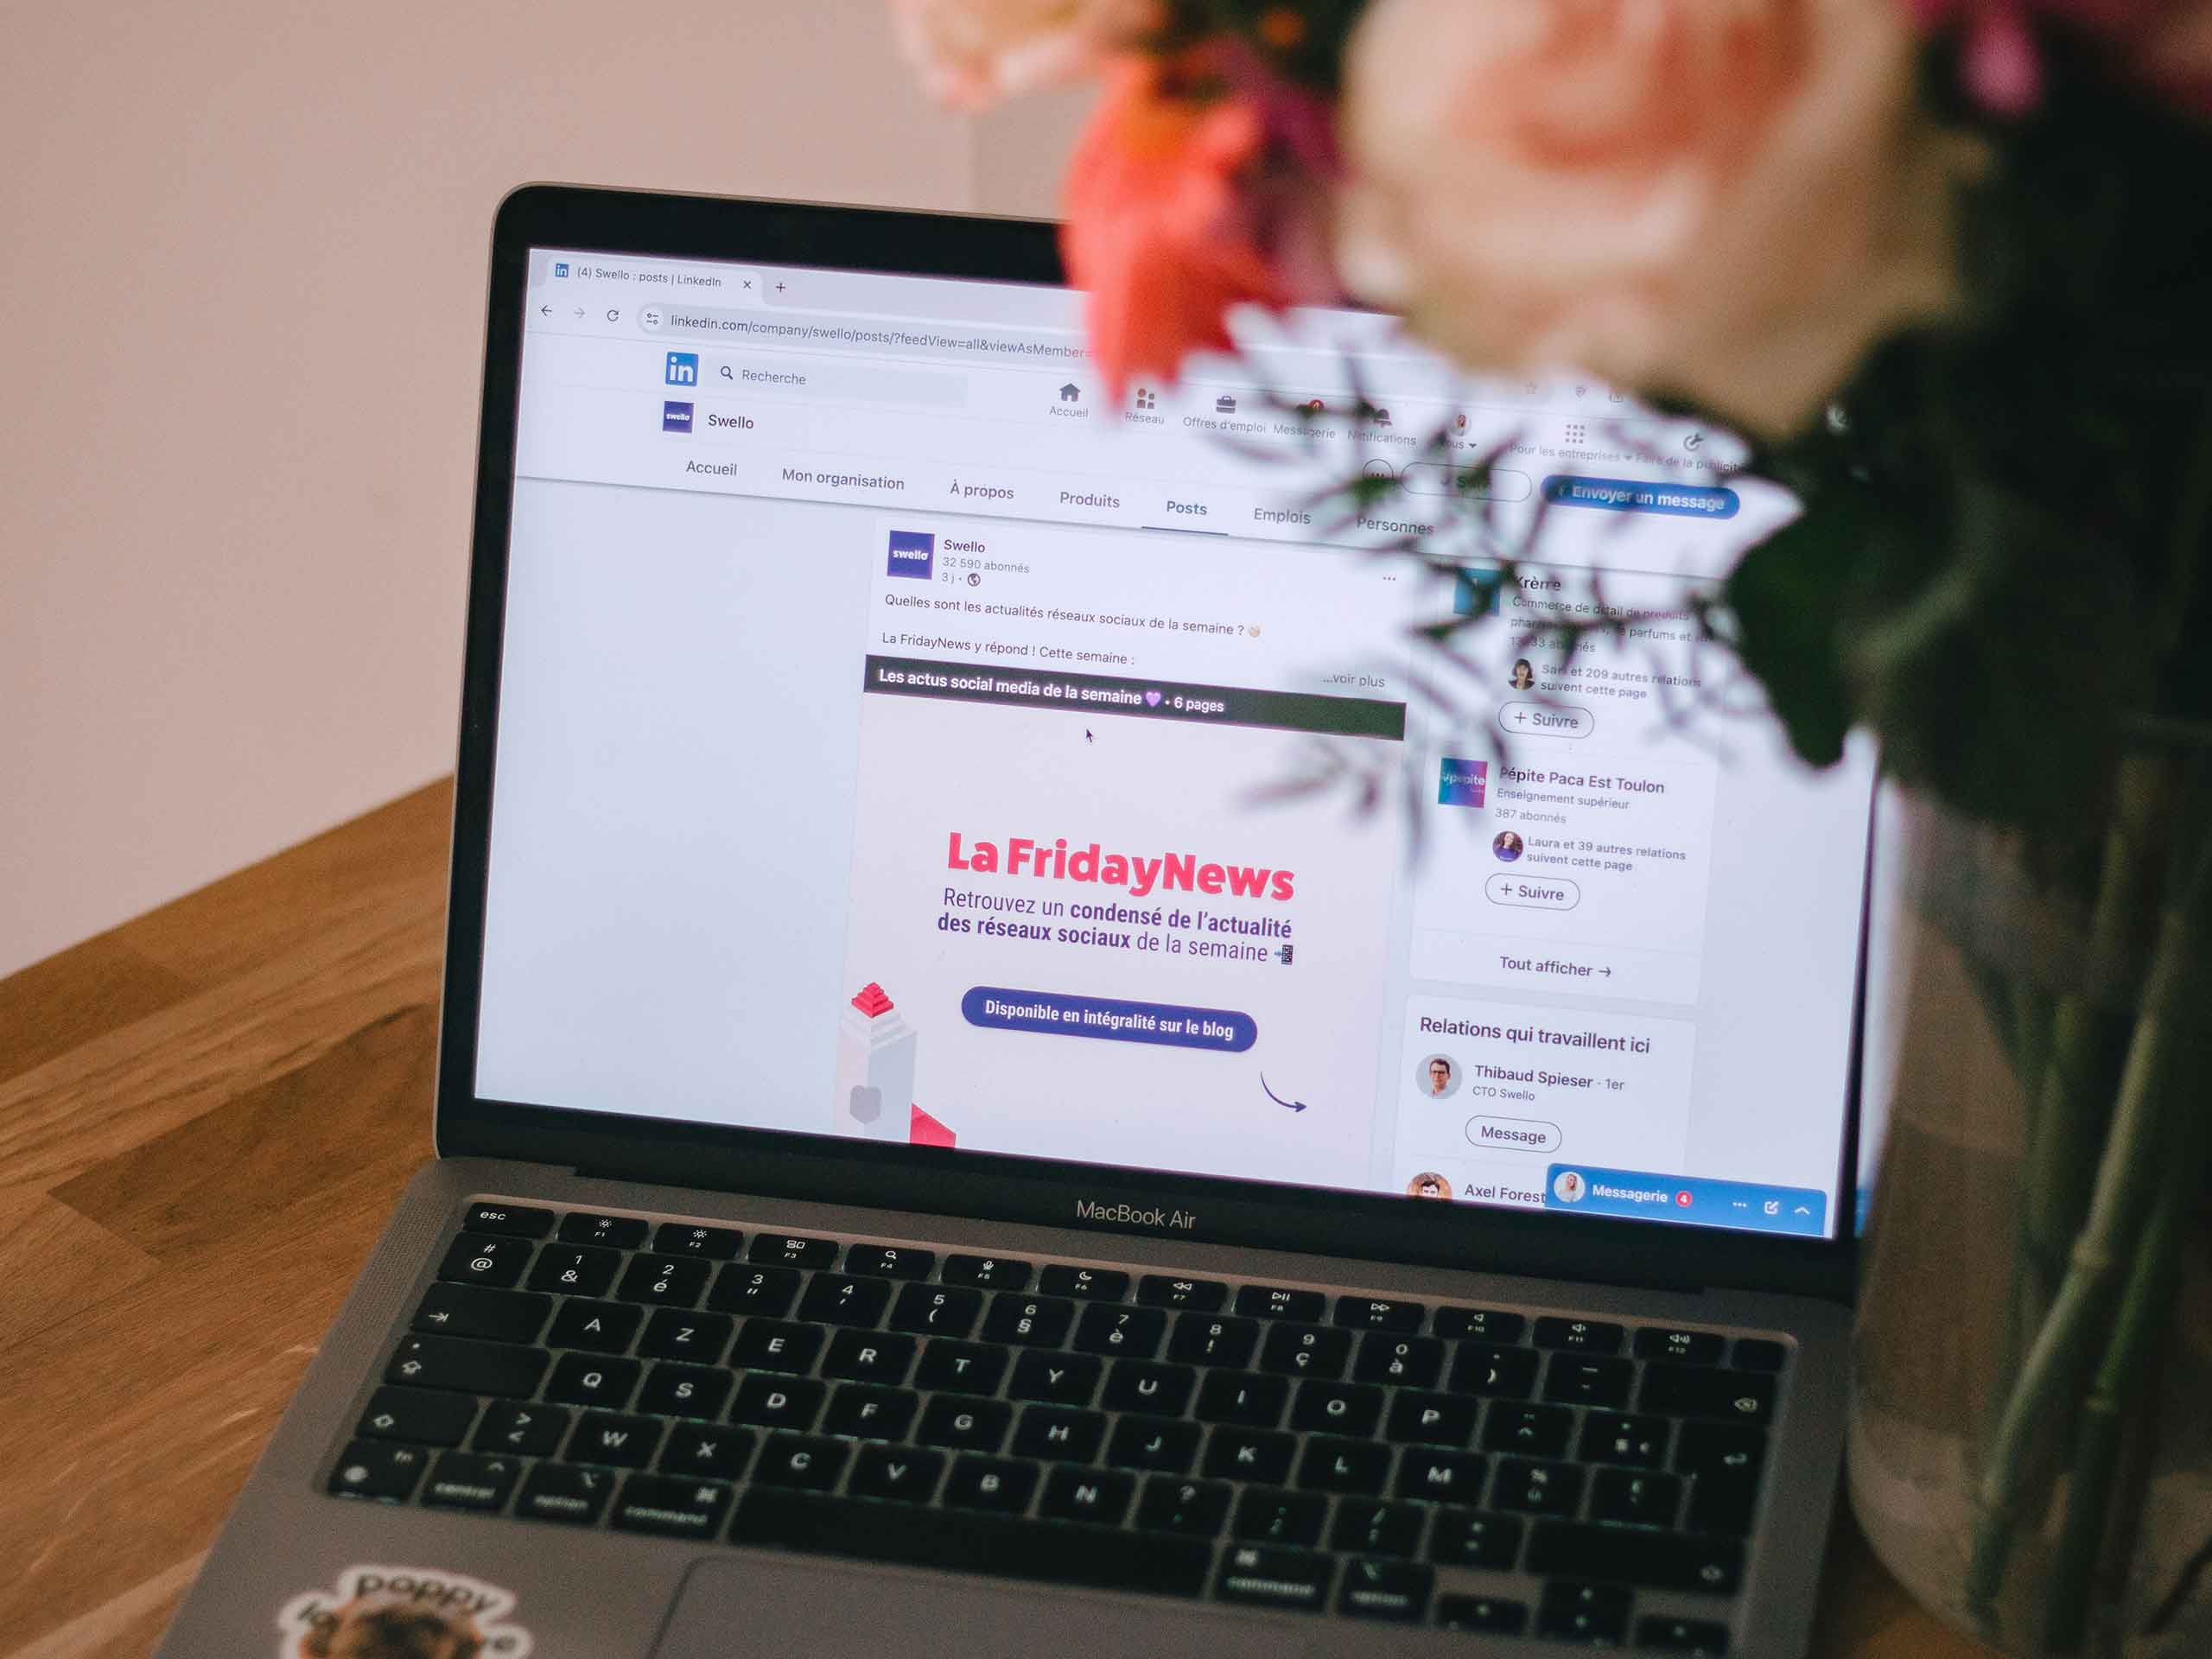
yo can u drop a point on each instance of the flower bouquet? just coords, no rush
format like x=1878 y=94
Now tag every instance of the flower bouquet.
x=1946 y=266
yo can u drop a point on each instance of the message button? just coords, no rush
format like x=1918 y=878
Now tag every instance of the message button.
x=1513 y=1133
x=1532 y=892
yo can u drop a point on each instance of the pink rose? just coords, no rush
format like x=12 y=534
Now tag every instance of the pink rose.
x=973 y=52
x=1729 y=200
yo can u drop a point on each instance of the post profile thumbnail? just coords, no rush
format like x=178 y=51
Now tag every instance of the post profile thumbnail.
x=913 y=553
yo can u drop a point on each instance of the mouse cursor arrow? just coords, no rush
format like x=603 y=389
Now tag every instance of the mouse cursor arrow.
x=1288 y=1105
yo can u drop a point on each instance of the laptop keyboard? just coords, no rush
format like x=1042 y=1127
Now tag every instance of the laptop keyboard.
x=1478 y=1468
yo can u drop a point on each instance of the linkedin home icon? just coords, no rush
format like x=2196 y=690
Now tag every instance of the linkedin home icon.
x=913 y=553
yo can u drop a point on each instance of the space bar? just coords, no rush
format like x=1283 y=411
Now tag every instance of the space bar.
x=973 y=1543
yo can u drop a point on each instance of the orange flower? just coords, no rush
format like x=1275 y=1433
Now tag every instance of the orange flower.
x=1155 y=230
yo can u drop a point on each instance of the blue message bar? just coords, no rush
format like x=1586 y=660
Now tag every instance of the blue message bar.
x=1057 y=1014
x=1582 y=1189
x=1641 y=495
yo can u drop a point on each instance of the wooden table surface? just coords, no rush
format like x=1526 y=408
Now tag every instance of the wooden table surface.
x=205 y=1116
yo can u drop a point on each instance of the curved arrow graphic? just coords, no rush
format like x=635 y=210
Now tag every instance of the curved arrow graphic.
x=1288 y=1105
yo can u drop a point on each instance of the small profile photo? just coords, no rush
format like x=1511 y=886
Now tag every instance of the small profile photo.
x=1569 y=1187
x=1524 y=675
x=1428 y=1184
x=1438 y=1076
x=1506 y=845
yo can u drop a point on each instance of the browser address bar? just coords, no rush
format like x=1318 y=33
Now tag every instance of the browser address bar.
x=940 y=341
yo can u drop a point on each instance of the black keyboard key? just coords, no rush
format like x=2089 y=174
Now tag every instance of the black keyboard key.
x=1059 y=1434
x=481 y=1258
x=1267 y=1515
x=473 y=1480
x=1685 y=1347
x=575 y=1269
x=520 y=1220
x=965 y=1425
x=1107 y=1328
x=1656 y=1561
x=1272 y=1302
x=961 y=1367
x=1482 y=1324
x=1611 y=1437
x=1502 y=1373
x=970 y=1541
x=1757 y=1354
x=842 y=1299
x=1636 y=1498
x=1159 y=1444
x=555 y=1491
x=1059 y=1379
x=521 y=1431
x=701 y=1244
x=1028 y=1321
x=602 y=1327
x=1707 y=1391
x=1252 y=1454
x=1366 y=1526
x=699 y=1339
x=1397 y=1591
x=790 y=1250
x=678 y=1390
x=1195 y=1508
x=1719 y=1446
x=771 y=1401
x=1246 y=1398
x=987 y=1272
x=1701 y=1638
x=1213 y=1339
x=670 y=1507
x=418 y=1416
x=1306 y=1351
x=1489 y=1615
x=1263 y=1575
x=765 y=1292
x=1333 y=1465
x=803 y=1461
x=1381 y=1313
x=1085 y=1284
x=1000 y=1484
x=937 y=1310
x=1463 y=1537
x=1589 y=1615
x=592 y=1380
x=704 y=1452
x=1432 y=1419
x=1337 y=1407
x=1407 y=1361
x=899 y=1474
x=1572 y=1380
x=1441 y=1477
x=1579 y=1336
x=664 y=1280
x=1099 y=1496
x=1537 y=1488
x=620 y=1442
x=869 y=1356
x=777 y=1345
x=889 y=1261
x=466 y=1366
x=379 y=1470
x=614 y=1232
x=480 y=1311
x=861 y=1411
x=1197 y=1295
x=1152 y=1386
x=1723 y=1502
x=1532 y=1431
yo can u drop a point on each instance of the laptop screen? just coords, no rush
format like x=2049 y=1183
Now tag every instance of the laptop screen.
x=900 y=736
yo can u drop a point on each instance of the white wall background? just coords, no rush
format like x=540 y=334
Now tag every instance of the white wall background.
x=242 y=258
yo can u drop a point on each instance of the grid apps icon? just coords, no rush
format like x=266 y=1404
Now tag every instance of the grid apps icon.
x=683 y=369
x=675 y=417
x=1462 y=783
x=913 y=553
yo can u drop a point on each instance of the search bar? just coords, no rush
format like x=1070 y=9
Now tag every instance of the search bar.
x=817 y=382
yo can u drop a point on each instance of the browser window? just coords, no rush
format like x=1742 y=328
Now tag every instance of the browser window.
x=898 y=739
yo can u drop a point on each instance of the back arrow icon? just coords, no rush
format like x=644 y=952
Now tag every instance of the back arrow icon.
x=544 y=310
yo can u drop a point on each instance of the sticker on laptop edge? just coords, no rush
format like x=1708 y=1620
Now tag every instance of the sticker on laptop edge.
x=402 y=1612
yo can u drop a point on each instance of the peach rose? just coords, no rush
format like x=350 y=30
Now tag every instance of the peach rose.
x=973 y=52
x=1728 y=200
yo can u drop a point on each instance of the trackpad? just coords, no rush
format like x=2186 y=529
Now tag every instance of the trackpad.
x=787 y=1607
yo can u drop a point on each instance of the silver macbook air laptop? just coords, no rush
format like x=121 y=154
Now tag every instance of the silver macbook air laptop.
x=1049 y=1041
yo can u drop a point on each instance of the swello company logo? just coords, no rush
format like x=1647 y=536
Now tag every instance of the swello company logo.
x=1461 y=783
x=683 y=368
x=675 y=417
x=913 y=553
